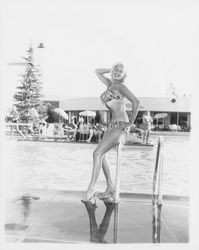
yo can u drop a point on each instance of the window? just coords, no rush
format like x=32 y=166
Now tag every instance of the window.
x=173 y=118
x=183 y=119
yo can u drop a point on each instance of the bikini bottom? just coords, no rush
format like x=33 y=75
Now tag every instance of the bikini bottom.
x=123 y=127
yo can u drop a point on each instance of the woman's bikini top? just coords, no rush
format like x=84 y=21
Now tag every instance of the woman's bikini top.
x=109 y=95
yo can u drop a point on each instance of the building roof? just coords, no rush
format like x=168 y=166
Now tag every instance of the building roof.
x=158 y=104
x=55 y=104
x=181 y=104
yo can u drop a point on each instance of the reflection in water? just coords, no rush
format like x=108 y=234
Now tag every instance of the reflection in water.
x=156 y=223
x=116 y=224
x=24 y=203
x=97 y=234
x=25 y=208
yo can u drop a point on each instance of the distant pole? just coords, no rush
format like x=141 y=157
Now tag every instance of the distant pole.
x=40 y=57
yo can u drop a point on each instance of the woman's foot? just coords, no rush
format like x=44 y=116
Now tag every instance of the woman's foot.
x=90 y=195
x=109 y=193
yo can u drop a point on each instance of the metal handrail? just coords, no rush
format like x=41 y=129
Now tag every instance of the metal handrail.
x=117 y=179
x=158 y=171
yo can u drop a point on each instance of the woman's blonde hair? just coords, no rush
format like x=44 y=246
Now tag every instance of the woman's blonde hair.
x=115 y=66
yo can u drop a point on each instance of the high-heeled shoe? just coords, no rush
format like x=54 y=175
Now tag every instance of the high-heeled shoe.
x=91 y=198
x=108 y=195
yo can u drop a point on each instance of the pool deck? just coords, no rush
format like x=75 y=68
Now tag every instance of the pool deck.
x=60 y=217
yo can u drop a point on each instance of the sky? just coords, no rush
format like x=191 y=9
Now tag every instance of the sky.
x=157 y=41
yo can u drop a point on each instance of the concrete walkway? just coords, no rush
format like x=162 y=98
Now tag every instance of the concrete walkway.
x=61 y=217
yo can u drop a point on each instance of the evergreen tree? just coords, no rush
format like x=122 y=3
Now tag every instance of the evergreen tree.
x=29 y=92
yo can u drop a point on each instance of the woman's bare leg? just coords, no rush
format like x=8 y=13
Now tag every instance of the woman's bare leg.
x=107 y=143
x=106 y=170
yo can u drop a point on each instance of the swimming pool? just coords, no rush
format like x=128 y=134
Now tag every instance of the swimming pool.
x=68 y=166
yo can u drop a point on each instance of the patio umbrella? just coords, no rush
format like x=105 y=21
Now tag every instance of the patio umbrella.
x=88 y=113
x=159 y=116
x=61 y=113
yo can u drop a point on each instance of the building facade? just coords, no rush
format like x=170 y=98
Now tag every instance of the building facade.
x=177 y=109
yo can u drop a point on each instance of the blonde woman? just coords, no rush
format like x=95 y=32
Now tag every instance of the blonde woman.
x=118 y=128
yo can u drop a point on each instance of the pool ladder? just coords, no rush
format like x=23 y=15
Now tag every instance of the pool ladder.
x=158 y=172
x=157 y=199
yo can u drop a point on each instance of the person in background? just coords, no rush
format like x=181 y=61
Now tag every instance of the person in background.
x=100 y=129
x=73 y=128
x=14 y=115
x=50 y=122
x=146 y=126
x=81 y=122
x=92 y=130
x=96 y=132
x=42 y=129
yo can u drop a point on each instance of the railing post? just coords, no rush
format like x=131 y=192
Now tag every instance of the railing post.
x=160 y=171
x=117 y=179
x=158 y=167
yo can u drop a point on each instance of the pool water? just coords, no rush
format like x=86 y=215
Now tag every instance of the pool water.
x=68 y=166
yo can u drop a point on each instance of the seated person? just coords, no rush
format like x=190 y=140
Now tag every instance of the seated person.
x=100 y=129
x=96 y=132
x=135 y=130
x=72 y=129
x=81 y=121
x=83 y=129
x=14 y=115
x=58 y=130
x=92 y=129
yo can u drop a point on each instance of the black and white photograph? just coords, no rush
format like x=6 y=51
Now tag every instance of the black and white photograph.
x=97 y=123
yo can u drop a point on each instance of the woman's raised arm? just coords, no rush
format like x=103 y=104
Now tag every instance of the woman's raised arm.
x=100 y=73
